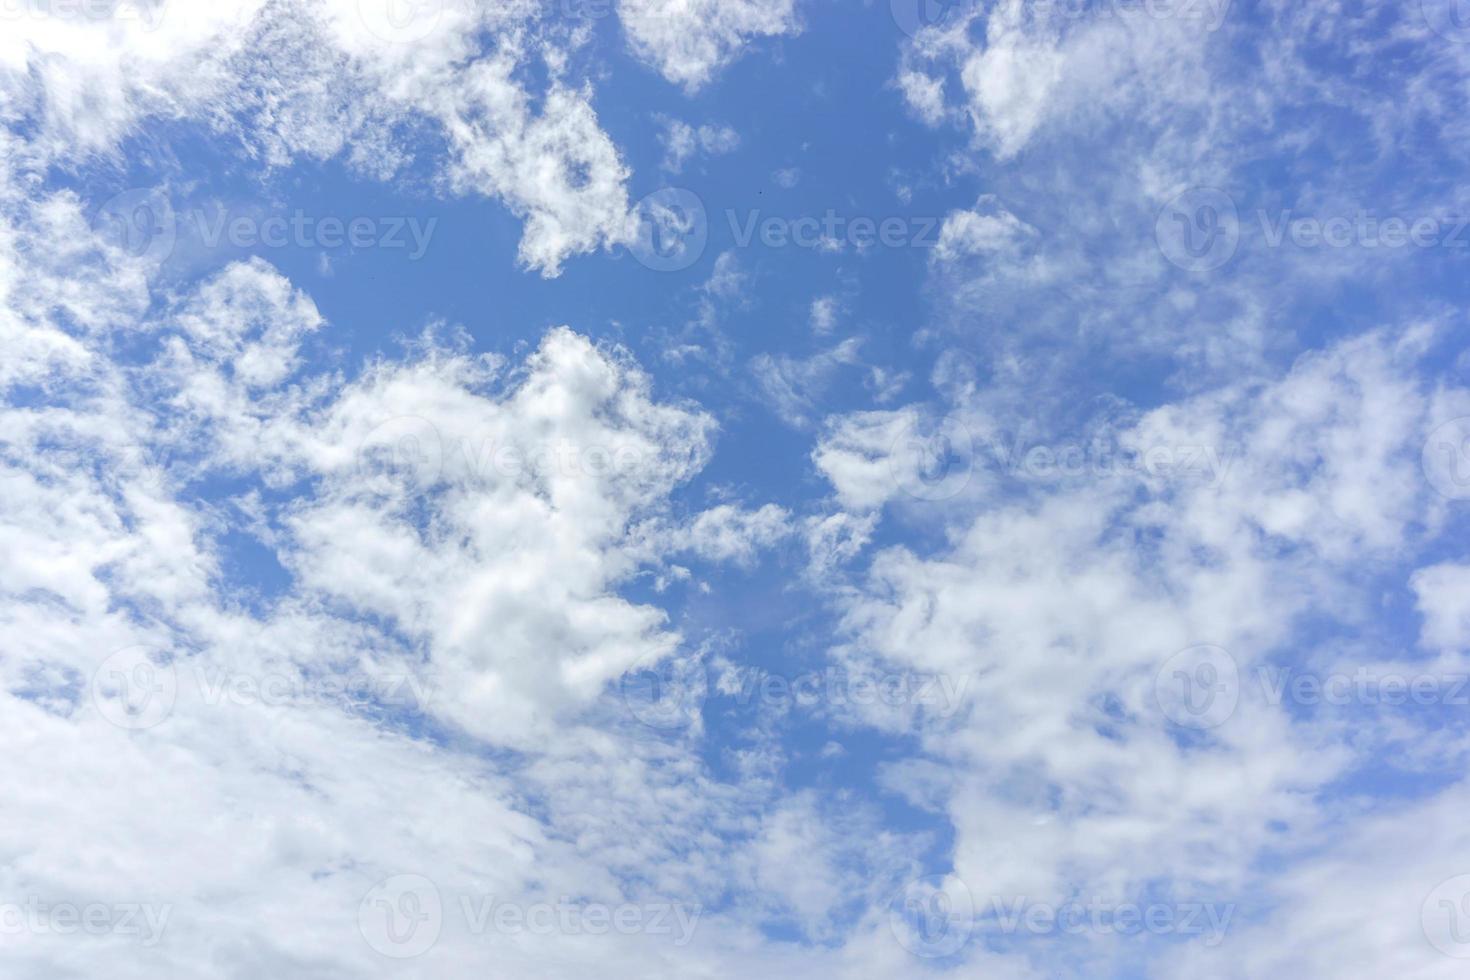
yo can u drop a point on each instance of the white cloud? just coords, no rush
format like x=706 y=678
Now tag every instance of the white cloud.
x=297 y=80
x=989 y=227
x=795 y=386
x=824 y=314
x=682 y=142
x=727 y=533
x=688 y=41
x=1443 y=593
x=1061 y=773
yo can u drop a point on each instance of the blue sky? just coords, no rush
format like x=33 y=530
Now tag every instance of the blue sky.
x=734 y=488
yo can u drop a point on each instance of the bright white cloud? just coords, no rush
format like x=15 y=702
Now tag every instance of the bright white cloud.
x=688 y=41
